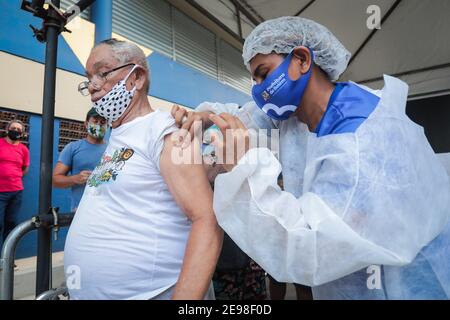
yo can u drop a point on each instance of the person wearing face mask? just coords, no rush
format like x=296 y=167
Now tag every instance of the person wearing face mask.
x=78 y=158
x=366 y=203
x=145 y=226
x=14 y=164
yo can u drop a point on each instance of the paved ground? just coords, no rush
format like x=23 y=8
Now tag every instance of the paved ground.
x=25 y=276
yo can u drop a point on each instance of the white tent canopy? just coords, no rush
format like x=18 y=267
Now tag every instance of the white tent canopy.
x=413 y=42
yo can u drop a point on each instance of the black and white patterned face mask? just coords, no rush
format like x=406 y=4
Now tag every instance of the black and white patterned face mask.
x=113 y=104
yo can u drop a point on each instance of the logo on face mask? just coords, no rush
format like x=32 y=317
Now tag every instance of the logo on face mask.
x=279 y=96
x=115 y=102
x=273 y=88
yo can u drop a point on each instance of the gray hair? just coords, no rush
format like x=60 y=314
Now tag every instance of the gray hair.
x=126 y=52
x=15 y=121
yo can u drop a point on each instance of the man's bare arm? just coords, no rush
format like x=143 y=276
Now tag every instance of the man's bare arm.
x=61 y=180
x=192 y=192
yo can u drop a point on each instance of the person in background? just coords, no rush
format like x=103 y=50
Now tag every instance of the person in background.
x=80 y=157
x=237 y=276
x=14 y=164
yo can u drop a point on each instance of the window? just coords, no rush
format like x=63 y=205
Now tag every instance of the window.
x=145 y=22
x=232 y=68
x=161 y=27
x=70 y=130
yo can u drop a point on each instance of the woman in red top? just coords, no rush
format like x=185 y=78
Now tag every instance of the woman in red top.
x=14 y=163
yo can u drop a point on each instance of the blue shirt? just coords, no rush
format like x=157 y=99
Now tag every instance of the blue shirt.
x=347 y=109
x=80 y=155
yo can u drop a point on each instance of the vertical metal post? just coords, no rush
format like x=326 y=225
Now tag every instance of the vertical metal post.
x=53 y=29
x=239 y=21
x=54 y=24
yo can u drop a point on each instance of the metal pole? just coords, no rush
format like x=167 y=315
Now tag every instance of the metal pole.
x=54 y=22
x=46 y=221
x=7 y=258
x=239 y=22
x=53 y=28
x=52 y=294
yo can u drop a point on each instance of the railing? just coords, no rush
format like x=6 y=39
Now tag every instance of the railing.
x=49 y=221
x=54 y=294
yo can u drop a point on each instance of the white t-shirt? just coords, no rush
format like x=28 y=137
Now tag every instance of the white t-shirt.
x=128 y=237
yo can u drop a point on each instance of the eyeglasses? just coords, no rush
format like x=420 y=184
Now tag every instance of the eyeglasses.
x=98 y=80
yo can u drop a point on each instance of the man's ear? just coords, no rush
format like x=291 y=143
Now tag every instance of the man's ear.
x=139 y=79
x=303 y=56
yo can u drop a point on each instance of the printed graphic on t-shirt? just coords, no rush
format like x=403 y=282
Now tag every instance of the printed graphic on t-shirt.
x=110 y=167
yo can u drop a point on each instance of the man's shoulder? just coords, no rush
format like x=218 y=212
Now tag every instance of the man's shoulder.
x=74 y=145
x=86 y=147
x=161 y=116
x=159 y=121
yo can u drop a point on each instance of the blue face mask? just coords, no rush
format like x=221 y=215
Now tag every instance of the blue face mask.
x=279 y=96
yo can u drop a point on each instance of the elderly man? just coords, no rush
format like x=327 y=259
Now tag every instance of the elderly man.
x=137 y=233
